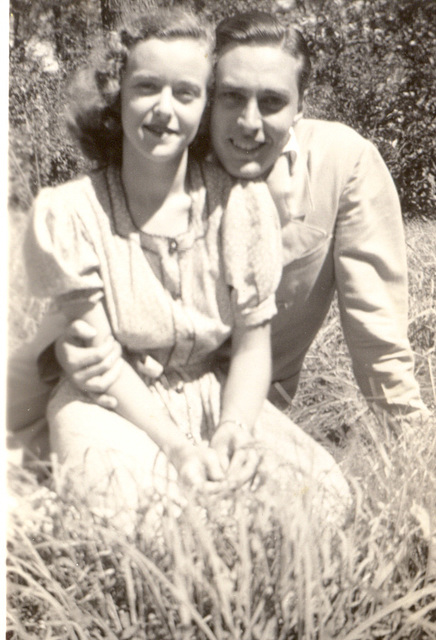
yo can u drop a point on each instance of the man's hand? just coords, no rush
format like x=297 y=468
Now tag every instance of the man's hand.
x=92 y=369
x=236 y=452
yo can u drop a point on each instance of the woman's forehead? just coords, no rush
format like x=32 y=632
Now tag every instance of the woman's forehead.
x=170 y=56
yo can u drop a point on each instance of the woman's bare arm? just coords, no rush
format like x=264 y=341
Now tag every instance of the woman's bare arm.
x=244 y=394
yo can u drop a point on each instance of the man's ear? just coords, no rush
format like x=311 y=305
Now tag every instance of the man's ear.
x=298 y=117
x=301 y=103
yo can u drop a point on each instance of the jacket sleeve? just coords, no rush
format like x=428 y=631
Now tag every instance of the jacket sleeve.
x=371 y=279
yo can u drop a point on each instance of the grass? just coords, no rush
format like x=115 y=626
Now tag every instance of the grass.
x=231 y=567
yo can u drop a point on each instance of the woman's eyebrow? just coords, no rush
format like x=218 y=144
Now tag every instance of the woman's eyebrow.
x=144 y=75
x=188 y=84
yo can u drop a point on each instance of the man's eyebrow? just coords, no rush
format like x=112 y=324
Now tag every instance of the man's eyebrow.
x=270 y=91
x=230 y=85
x=267 y=91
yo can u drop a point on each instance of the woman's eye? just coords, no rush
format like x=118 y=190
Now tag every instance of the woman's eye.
x=187 y=93
x=147 y=88
x=185 y=96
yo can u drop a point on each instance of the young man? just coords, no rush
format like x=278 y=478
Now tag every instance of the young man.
x=341 y=220
x=340 y=215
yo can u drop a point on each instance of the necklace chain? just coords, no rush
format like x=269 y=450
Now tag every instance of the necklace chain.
x=131 y=216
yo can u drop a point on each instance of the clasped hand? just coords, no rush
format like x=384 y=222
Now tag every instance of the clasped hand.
x=236 y=452
x=231 y=459
x=229 y=462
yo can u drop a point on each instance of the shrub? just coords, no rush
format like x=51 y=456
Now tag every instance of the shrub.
x=40 y=154
x=41 y=62
x=373 y=64
x=374 y=71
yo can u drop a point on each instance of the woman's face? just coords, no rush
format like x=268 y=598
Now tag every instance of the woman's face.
x=163 y=95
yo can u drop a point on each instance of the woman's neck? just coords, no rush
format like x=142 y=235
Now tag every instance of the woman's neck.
x=149 y=185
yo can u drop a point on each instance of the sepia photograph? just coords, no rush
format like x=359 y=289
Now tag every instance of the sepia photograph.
x=220 y=381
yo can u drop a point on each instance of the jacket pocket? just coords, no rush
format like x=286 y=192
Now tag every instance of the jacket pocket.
x=305 y=254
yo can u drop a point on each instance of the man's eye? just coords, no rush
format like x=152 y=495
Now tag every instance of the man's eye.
x=272 y=104
x=231 y=98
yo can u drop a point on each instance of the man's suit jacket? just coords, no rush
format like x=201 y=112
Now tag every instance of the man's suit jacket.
x=343 y=231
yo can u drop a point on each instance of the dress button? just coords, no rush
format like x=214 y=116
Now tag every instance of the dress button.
x=172 y=246
x=179 y=386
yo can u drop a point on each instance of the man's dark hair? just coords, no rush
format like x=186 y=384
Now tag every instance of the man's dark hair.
x=260 y=28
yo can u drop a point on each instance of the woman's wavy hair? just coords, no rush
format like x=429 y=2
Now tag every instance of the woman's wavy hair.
x=94 y=114
x=261 y=28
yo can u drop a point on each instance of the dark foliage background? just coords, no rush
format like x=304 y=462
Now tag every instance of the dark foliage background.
x=373 y=70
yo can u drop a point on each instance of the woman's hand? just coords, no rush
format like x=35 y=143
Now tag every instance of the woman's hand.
x=197 y=466
x=91 y=369
x=243 y=396
x=236 y=452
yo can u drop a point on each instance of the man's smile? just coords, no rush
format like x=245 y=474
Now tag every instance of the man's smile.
x=247 y=146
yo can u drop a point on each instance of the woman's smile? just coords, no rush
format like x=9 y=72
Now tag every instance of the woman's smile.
x=159 y=130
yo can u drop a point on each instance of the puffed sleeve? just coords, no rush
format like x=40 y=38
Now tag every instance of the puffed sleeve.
x=60 y=258
x=252 y=251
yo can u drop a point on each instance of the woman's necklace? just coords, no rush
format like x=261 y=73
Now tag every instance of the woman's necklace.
x=172 y=221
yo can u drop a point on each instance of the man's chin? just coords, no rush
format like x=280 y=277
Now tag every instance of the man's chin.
x=248 y=171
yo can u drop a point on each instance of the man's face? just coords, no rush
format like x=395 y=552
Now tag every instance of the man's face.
x=255 y=103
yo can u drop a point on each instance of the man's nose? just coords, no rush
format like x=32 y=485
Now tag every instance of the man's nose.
x=251 y=118
x=164 y=103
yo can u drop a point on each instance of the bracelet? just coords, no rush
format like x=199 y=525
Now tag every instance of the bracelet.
x=238 y=423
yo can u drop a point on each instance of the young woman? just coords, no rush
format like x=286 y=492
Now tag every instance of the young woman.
x=170 y=257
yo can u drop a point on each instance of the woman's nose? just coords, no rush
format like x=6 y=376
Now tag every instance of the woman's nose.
x=164 y=103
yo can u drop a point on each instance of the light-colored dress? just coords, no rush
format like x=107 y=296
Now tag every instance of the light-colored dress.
x=173 y=298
